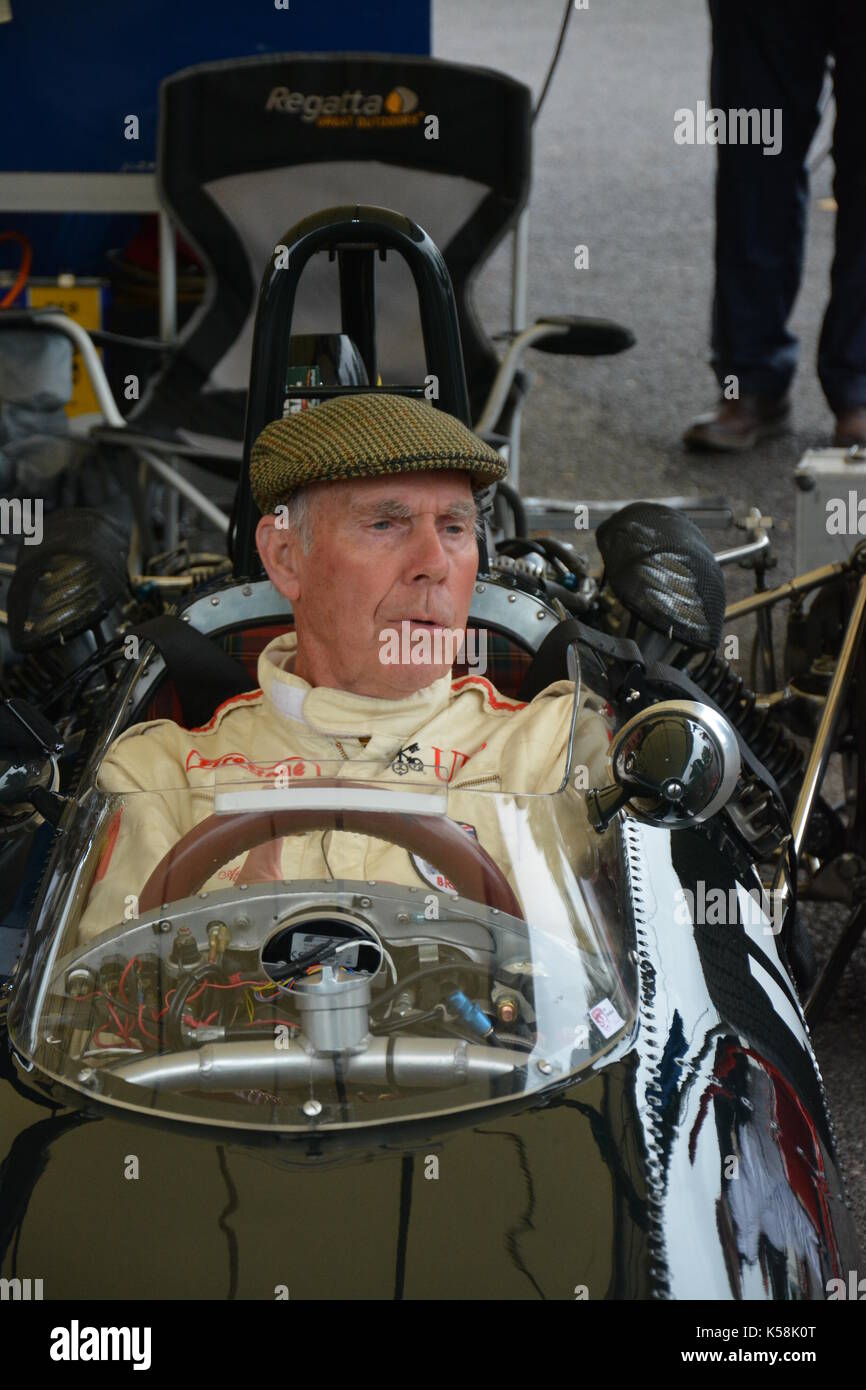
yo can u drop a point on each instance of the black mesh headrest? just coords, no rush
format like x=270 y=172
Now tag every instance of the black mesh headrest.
x=659 y=566
x=69 y=582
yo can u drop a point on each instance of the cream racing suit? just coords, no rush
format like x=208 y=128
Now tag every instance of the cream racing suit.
x=468 y=737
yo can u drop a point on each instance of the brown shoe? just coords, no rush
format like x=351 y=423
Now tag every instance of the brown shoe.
x=851 y=429
x=736 y=426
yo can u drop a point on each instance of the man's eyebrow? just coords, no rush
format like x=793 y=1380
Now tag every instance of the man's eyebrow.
x=389 y=509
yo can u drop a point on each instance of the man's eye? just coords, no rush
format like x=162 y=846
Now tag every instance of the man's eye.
x=378 y=524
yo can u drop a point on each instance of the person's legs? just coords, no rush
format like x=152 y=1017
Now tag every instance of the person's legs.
x=842 y=351
x=769 y=54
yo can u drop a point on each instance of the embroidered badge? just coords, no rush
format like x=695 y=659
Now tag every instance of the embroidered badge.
x=403 y=764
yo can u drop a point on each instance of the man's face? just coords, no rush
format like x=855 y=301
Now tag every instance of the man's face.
x=386 y=551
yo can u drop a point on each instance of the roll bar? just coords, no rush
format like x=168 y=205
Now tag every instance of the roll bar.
x=352 y=235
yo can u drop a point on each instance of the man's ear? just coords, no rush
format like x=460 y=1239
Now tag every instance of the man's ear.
x=280 y=549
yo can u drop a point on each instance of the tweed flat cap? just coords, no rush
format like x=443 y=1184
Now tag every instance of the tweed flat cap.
x=365 y=436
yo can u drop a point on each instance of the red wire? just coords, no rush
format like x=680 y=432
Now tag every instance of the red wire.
x=254 y=1022
x=153 y=1037
x=23 y=270
x=120 y=1028
x=199 y=1022
x=100 y=1044
x=126 y=969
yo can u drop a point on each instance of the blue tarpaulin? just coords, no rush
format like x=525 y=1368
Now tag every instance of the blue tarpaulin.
x=72 y=72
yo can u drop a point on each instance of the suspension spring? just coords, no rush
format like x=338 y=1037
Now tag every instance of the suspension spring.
x=767 y=738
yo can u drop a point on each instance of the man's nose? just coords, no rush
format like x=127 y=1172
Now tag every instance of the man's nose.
x=427 y=558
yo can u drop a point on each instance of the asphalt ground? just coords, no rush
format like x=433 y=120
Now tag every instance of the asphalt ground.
x=608 y=175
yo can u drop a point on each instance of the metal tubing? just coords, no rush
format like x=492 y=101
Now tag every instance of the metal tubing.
x=190 y=491
x=167 y=279
x=842 y=952
x=742 y=552
x=425 y=1062
x=812 y=579
x=332 y=229
x=92 y=363
x=705 y=511
x=823 y=745
x=506 y=373
x=520 y=272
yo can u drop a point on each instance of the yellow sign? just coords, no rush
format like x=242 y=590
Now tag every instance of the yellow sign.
x=84 y=304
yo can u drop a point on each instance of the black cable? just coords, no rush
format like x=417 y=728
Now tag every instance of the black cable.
x=317 y=955
x=174 y=1017
x=512 y=498
x=554 y=60
x=555 y=550
x=394 y=1025
x=94 y=663
x=515 y=1040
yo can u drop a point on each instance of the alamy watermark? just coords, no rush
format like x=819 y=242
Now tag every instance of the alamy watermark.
x=846 y=517
x=433 y=646
x=837 y=1290
x=77 y=1343
x=20 y=1290
x=22 y=517
x=713 y=907
x=713 y=126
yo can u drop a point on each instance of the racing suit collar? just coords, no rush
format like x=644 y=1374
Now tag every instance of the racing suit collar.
x=337 y=712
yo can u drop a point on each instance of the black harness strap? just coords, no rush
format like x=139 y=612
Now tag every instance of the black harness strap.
x=549 y=663
x=203 y=674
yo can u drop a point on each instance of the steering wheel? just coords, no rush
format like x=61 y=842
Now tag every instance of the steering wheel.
x=191 y=862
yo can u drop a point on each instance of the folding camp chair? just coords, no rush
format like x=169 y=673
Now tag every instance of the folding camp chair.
x=247 y=148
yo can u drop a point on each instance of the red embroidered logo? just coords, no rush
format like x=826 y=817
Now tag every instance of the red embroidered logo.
x=438 y=756
x=292 y=765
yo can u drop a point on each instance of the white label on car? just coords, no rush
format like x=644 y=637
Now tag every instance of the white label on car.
x=606 y=1018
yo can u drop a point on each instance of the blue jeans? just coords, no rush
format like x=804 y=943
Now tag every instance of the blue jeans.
x=773 y=54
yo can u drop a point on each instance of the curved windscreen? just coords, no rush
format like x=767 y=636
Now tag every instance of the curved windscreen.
x=332 y=956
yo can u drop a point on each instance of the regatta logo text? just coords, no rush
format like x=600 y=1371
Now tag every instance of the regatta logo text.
x=433 y=646
x=740 y=127
x=397 y=107
x=75 y=1343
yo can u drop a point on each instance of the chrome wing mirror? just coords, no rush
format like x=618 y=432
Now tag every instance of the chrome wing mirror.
x=674 y=764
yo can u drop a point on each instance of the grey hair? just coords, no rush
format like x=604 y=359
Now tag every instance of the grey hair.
x=297 y=516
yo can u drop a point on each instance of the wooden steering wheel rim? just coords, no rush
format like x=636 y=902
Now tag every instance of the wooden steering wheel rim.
x=198 y=854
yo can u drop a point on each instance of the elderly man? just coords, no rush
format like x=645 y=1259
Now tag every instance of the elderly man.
x=368 y=528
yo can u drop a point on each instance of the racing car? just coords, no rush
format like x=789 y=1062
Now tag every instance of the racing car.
x=575 y=1067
